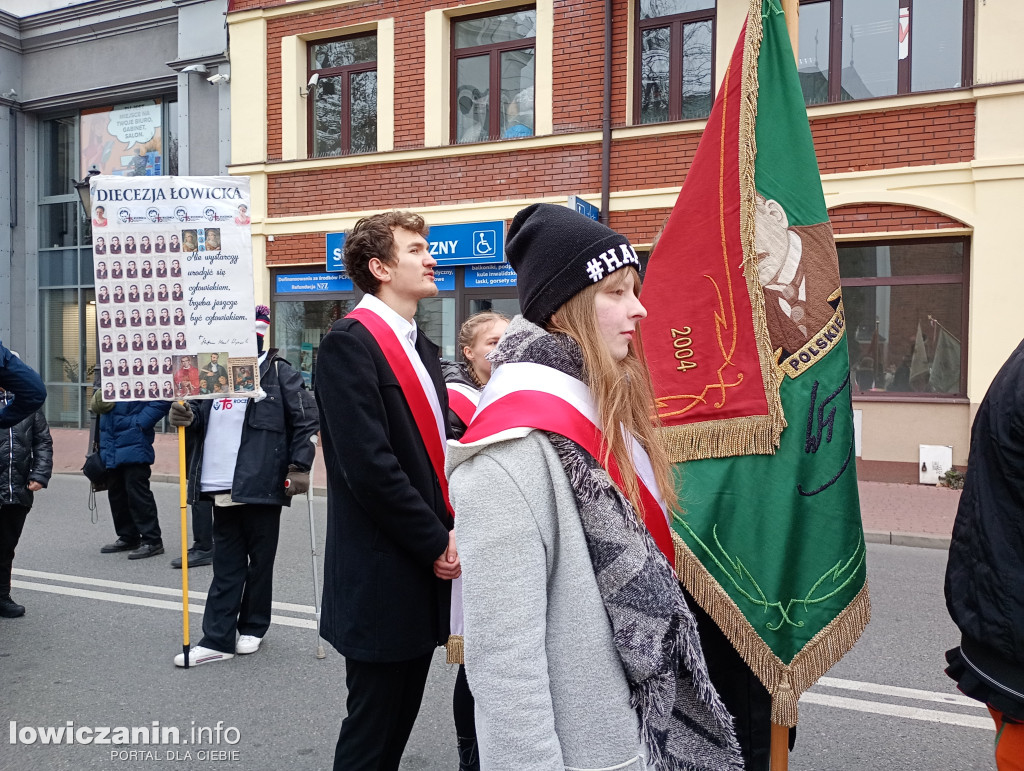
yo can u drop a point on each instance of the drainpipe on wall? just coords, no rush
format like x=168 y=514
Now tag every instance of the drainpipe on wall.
x=606 y=114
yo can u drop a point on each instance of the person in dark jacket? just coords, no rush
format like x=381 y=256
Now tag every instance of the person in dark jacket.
x=389 y=556
x=985 y=572
x=126 y=448
x=26 y=461
x=24 y=387
x=249 y=457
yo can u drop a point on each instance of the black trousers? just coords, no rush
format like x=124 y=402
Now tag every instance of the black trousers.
x=747 y=700
x=463 y=706
x=383 y=701
x=12 y=520
x=243 y=574
x=132 y=504
x=202 y=525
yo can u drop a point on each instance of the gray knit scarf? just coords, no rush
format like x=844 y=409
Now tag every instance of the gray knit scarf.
x=683 y=723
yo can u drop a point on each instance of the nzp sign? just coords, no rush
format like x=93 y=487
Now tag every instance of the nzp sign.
x=473 y=243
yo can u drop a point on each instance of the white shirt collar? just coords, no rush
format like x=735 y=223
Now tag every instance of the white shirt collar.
x=405 y=330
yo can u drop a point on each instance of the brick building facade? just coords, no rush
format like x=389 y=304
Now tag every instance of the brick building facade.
x=919 y=171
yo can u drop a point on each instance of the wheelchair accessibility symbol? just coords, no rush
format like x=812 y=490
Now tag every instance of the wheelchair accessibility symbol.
x=484 y=243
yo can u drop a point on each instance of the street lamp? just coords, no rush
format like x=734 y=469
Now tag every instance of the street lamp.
x=82 y=188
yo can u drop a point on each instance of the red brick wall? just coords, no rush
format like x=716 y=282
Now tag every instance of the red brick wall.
x=638 y=225
x=882 y=217
x=578 y=67
x=915 y=136
x=459 y=179
x=856 y=142
x=293 y=250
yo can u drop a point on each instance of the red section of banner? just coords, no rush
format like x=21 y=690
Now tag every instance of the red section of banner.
x=699 y=333
x=545 y=412
x=412 y=390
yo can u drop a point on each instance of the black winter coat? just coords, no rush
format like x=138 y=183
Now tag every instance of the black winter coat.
x=276 y=434
x=985 y=572
x=386 y=519
x=26 y=455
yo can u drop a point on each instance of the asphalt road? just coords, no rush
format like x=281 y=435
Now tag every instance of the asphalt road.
x=96 y=645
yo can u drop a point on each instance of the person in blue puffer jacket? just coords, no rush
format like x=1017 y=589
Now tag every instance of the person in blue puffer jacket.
x=126 y=447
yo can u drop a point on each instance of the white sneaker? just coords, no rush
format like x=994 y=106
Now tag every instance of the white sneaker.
x=248 y=643
x=200 y=655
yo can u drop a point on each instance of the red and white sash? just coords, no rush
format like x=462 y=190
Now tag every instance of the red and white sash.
x=463 y=399
x=417 y=387
x=523 y=396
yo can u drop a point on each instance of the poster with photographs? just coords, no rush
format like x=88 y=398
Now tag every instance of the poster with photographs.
x=175 y=303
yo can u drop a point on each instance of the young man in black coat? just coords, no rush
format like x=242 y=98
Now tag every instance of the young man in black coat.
x=390 y=551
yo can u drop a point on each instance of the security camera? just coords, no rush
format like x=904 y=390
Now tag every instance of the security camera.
x=309 y=86
x=200 y=68
x=9 y=94
x=218 y=78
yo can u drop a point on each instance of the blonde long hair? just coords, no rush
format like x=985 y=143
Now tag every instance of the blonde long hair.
x=622 y=389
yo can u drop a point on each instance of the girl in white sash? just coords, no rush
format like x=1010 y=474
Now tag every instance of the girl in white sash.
x=579 y=646
x=477 y=338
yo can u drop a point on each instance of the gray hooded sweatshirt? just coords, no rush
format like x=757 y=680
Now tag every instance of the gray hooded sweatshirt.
x=550 y=689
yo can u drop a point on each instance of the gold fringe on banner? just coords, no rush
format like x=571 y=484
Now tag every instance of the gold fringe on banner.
x=748 y=199
x=784 y=682
x=721 y=438
x=455 y=649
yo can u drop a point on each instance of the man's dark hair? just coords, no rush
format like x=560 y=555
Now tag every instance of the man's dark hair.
x=373 y=237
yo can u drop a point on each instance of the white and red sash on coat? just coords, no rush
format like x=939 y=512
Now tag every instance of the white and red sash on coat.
x=463 y=399
x=523 y=396
x=416 y=387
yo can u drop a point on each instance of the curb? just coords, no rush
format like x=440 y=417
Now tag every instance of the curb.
x=892 y=538
x=920 y=540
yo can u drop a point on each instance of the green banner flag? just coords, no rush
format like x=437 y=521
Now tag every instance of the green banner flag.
x=746 y=339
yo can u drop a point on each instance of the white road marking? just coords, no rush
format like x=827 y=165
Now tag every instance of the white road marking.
x=144 y=588
x=148 y=602
x=899 y=710
x=903 y=693
x=811 y=697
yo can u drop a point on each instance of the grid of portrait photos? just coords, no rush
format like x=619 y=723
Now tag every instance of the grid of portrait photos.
x=141 y=314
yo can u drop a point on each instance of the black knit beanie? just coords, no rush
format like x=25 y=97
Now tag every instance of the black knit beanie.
x=557 y=252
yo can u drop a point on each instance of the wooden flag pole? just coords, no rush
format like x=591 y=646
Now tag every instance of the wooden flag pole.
x=780 y=733
x=792 y=10
x=780 y=747
x=183 y=502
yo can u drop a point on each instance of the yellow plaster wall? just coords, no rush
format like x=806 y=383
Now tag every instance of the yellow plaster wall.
x=248 y=89
x=998 y=54
x=892 y=431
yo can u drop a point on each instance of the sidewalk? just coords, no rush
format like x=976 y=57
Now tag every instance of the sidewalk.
x=904 y=515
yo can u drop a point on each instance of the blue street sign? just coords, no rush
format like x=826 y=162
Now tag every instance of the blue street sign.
x=335 y=243
x=485 y=276
x=444 y=278
x=302 y=283
x=471 y=243
x=584 y=208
